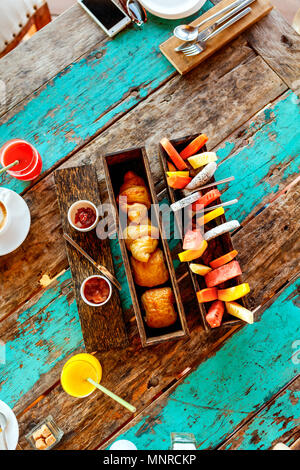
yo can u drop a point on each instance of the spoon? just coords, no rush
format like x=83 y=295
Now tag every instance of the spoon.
x=136 y=11
x=3 y=425
x=187 y=32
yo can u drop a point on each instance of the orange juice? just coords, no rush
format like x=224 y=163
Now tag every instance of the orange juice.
x=76 y=371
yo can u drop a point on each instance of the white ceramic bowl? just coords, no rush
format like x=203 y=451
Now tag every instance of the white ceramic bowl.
x=172 y=9
x=74 y=208
x=91 y=304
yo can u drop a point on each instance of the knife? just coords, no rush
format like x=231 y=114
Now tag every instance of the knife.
x=103 y=270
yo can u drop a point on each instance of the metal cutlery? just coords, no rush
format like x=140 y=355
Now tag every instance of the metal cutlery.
x=205 y=32
x=3 y=425
x=200 y=46
x=103 y=270
x=189 y=33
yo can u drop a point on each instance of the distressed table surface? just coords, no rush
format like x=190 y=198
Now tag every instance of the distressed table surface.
x=76 y=95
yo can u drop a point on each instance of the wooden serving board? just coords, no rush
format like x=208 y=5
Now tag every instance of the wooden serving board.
x=103 y=328
x=216 y=247
x=184 y=64
x=115 y=167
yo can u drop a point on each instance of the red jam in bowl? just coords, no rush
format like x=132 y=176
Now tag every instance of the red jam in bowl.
x=85 y=217
x=96 y=290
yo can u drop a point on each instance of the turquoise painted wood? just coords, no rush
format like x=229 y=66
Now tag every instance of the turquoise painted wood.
x=49 y=331
x=249 y=369
x=274 y=148
x=88 y=94
x=250 y=199
x=271 y=424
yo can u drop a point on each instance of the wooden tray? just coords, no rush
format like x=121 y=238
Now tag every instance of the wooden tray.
x=183 y=64
x=216 y=247
x=115 y=166
x=103 y=328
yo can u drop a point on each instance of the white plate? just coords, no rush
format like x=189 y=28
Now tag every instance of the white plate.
x=12 y=430
x=19 y=227
x=173 y=9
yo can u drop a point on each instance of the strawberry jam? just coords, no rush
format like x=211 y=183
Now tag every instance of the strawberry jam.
x=85 y=217
x=96 y=290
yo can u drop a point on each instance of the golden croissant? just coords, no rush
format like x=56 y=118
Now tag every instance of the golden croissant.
x=158 y=304
x=150 y=274
x=141 y=240
x=134 y=197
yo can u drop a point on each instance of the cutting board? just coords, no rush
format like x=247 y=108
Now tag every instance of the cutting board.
x=103 y=328
x=183 y=64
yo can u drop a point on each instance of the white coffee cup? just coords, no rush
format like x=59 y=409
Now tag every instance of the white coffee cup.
x=5 y=215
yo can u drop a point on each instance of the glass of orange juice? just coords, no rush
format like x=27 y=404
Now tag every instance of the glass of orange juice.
x=81 y=375
x=75 y=373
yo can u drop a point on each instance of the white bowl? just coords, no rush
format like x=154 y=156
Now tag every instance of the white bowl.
x=172 y=9
x=74 y=208
x=91 y=304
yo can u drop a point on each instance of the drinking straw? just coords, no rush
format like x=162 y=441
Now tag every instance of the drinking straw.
x=112 y=395
x=9 y=166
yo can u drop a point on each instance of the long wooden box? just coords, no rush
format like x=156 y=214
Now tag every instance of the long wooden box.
x=115 y=166
x=217 y=247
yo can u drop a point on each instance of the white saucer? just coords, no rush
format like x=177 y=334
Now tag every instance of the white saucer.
x=172 y=9
x=19 y=227
x=12 y=430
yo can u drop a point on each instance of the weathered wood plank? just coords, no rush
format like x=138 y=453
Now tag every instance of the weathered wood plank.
x=278 y=44
x=57 y=131
x=221 y=393
x=36 y=61
x=126 y=372
x=84 y=97
x=103 y=327
x=279 y=421
x=269 y=247
x=187 y=352
x=49 y=258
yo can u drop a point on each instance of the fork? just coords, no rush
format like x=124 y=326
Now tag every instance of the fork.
x=200 y=46
x=205 y=32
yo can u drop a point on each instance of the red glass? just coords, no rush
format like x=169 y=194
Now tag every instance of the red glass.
x=30 y=162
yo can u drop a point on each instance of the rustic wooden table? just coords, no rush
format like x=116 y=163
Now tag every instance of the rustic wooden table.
x=76 y=95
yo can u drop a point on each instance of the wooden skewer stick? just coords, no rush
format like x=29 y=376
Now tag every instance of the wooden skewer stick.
x=210 y=185
x=113 y=396
x=9 y=166
x=186 y=201
x=224 y=204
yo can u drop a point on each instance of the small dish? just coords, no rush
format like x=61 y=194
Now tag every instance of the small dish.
x=75 y=207
x=18 y=227
x=172 y=9
x=12 y=430
x=53 y=428
x=92 y=304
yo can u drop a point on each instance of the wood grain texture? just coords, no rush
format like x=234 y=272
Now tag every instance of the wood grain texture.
x=221 y=393
x=34 y=62
x=278 y=44
x=134 y=359
x=184 y=64
x=269 y=246
x=265 y=133
x=278 y=421
x=103 y=327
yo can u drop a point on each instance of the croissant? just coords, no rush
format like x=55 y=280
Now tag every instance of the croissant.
x=141 y=240
x=150 y=274
x=158 y=304
x=133 y=191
